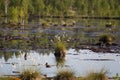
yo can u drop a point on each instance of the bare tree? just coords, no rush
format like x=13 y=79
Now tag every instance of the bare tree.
x=6 y=3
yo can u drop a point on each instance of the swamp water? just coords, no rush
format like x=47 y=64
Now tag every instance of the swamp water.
x=80 y=62
x=37 y=43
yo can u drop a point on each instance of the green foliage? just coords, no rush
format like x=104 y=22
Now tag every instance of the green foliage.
x=14 y=14
x=60 y=51
x=38 y=6
x=24 y=8
x=65 y=75
x=29 y=74
x=59 y=45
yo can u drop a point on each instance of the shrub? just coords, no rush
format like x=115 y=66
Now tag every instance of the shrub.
x=29 y=75
x=65 y=75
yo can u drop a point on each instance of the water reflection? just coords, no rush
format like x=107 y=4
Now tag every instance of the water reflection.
x=32 y=45
x=25 y=56
x=60 y=61
x=49 y=65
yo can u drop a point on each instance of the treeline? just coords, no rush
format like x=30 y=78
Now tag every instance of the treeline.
x=18 y=10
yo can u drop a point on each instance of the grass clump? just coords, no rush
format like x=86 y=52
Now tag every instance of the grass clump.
x=60 y=49
x=106 y=39
x=116 y=77
x=45 y=23
x=65 y=75
x=29 y=75
x=60 y=45
x=96 y=76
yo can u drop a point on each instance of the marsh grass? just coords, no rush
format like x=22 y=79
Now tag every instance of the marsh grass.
x=60 y=49
x=29 y=75
x=59 y=45
x=45 y=23
x=96 y=76
x=106 y=39
x=65 y=75
x=116 y=77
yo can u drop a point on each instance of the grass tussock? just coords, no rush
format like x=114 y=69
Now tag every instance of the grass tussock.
x=106 y=39
x=96 y=76
x=65 y=75
x=60 y=45
x=60 y=49
x=29 y=75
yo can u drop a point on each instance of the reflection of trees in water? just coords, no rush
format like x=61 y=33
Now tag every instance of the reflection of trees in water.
x=9 y=54
x=25 y=56
x=60 y=61
x=44 y=51
x=39 y=41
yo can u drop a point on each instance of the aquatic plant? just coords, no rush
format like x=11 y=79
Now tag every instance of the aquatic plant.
x=63 y=23
x=45 y=23
x=110 y=25
x=96 y=76
x=29 y=75
x=106 y=39
x=60 y=49
x=65 y=75
x=117 y=77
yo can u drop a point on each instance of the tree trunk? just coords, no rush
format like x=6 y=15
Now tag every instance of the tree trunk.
x=6 y=3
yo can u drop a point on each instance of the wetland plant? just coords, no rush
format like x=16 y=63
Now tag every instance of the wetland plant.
x=45 y=23
x=60 y=49
x=106 y=40
x=65 y=75
x=96 y=76
x=117 y=77
x=109 y=25
x=30 y=75
x=63 y=23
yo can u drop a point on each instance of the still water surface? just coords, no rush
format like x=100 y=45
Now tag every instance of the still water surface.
x=80 y=62
x=14 y=40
